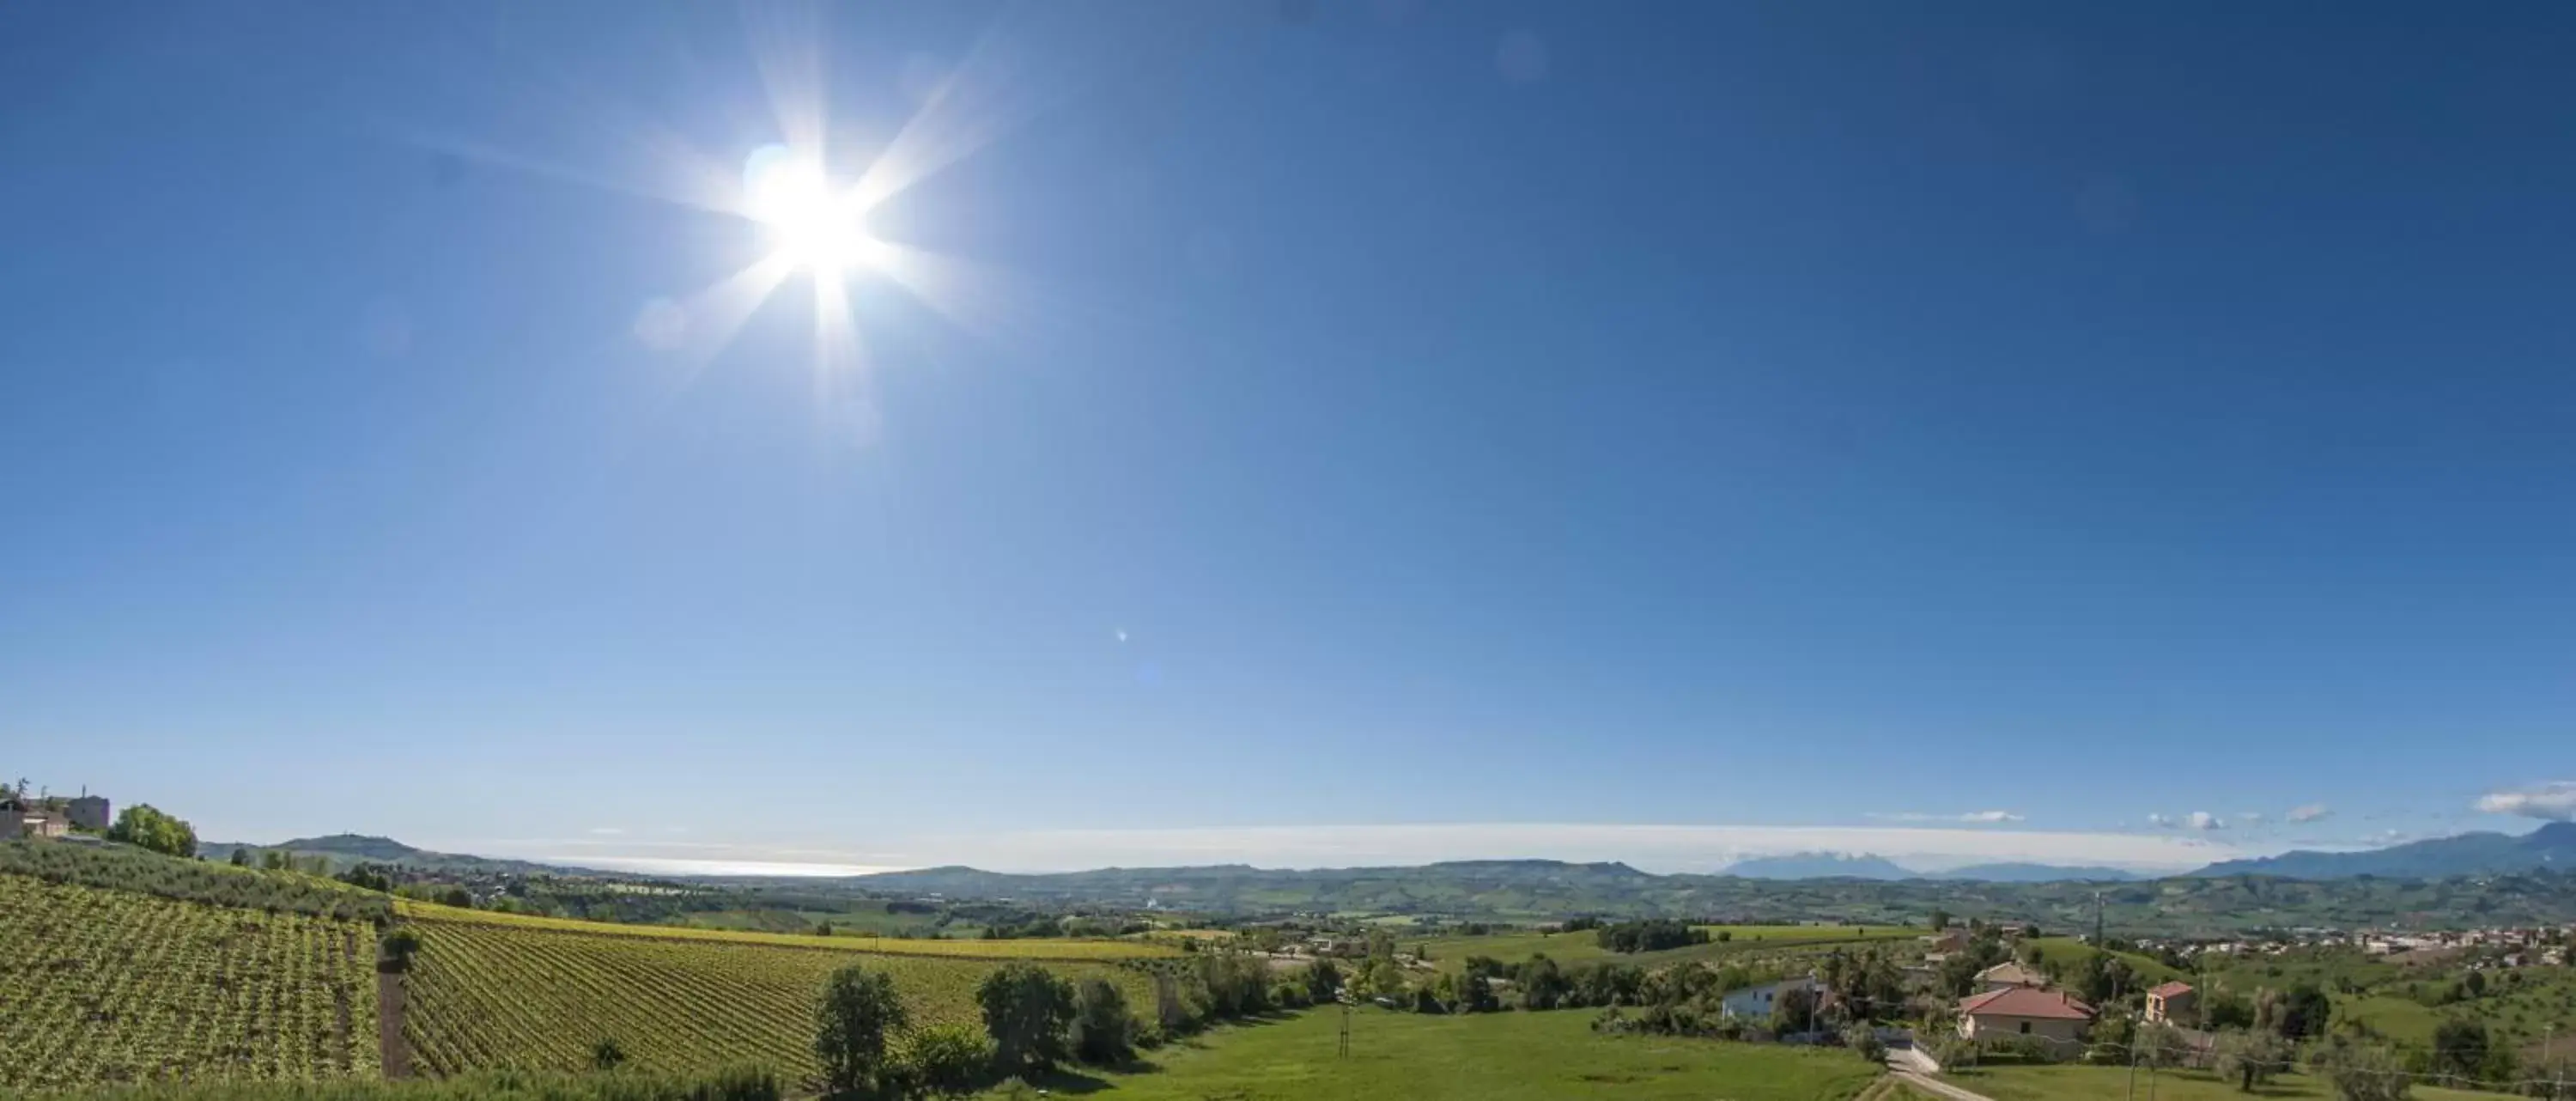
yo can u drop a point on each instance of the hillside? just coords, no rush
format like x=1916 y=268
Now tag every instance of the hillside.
x=1817 y=866
x=347 y=849
x=537 y=995
x=2551 y=847
x=1532 y=891
x=109 y=986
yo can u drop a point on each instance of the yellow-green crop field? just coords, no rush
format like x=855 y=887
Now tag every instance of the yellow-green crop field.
x=100 y=986
x=1023 y=949
x=539 y=994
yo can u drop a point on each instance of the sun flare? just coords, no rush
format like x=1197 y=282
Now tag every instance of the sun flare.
x=814 y=225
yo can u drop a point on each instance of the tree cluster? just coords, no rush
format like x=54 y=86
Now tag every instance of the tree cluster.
x=1650 y=935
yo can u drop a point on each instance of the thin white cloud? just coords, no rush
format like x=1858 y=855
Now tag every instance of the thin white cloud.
x=608 y=831
x=2161 y=821
x=2251 y=817
x=2309 y=813
x=2554 y=801
x=1987 y=817
x=2204 y=821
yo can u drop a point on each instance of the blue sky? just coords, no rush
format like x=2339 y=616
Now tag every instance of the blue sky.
x=1294 y=432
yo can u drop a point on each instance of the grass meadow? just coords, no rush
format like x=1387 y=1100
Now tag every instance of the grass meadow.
x=1486 y=1057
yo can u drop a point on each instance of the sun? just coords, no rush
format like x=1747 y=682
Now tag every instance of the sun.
x=815 y=226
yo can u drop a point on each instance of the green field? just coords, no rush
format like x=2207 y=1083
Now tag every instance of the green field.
x=1488 y=1057
x=1031 y=948
x=1450 y=953
x=2080 y=1083
x=537 y=995
x=2070 y=952
x=100 y=986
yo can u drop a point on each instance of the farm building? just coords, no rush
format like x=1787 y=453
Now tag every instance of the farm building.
x=2025 y=1011
x=2173 y=1002
x=2009 y=975
x=19 y=818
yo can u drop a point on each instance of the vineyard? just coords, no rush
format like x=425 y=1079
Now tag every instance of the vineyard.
x=113 y=986
x=491 y=990
x=1022 y=949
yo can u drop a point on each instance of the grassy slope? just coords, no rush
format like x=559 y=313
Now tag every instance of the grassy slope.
x=1033 y=949
x=1450 y=953
x=486 y=994
x=2071 y=951
x=1495 y=1057
x=104 y=986
x=2080 y=1083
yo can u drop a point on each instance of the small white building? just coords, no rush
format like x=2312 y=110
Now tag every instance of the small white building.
x=1753 y=1003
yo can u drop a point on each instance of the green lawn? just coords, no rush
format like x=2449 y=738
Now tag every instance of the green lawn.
x=2068 y=1082
x=1488 y=1057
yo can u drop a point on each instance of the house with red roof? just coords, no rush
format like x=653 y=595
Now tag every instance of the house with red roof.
x=2051 y=1015
x=2174 y=1003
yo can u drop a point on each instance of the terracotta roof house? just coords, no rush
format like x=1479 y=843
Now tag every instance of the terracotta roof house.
x=2172 y=1001
x=2025 y=1011
x=2007 y=975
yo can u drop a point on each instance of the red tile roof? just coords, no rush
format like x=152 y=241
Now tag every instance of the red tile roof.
x=2171 y=990
x=2022 y=1001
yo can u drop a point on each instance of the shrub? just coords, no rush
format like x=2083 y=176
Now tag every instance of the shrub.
x=947 y=1060
x=1864 y=1042
x=1103 y=1031
x=1026 y=1011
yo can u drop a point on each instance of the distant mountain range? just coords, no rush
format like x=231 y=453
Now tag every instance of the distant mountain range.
x=1824 y=865
x=348 y=849
x=2550 y=848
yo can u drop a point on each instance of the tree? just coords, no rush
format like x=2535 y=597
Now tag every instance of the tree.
x=859 y=1012
x=947 y=1060
x=2251 y=1057
x=606 y=1054
x=2460 y=1047
x=458 y=897
x=1026 y=1011
x=1103 y=1032
x=2360 y=1073
x=1940 y=920
x=1323 y=981
x=394 y=950
x=241 y=858
x=144 y=827
x=2304 y=1012
x=1543 y=984
x=1793 y=1010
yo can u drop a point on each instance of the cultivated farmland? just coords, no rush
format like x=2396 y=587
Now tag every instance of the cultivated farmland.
x=113 y=986
x=1020 y=949
x=489 y=991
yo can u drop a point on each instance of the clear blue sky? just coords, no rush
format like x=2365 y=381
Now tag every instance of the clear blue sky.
x=1348 y=412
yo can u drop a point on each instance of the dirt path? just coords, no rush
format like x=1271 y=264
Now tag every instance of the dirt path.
x=1937 y=1087
x=391 y=1048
